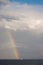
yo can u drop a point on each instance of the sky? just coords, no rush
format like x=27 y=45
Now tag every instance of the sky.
x=21 y=29
x=38 y=2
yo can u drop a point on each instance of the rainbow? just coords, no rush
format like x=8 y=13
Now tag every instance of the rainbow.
x=13 y=44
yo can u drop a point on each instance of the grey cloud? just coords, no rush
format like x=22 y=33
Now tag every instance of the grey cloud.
x=30 y=45
x=9 y=18
x=5 y=45
x=7 y=54
x=3 y=3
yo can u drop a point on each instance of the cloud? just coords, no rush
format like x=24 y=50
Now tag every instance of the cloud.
x=4 y=1
x=21 y=16
x=23 y=21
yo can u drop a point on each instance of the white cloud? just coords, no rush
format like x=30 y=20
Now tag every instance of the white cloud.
x=28 y=17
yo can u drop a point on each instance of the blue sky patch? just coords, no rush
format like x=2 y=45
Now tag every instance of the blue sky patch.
x=40 y=2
